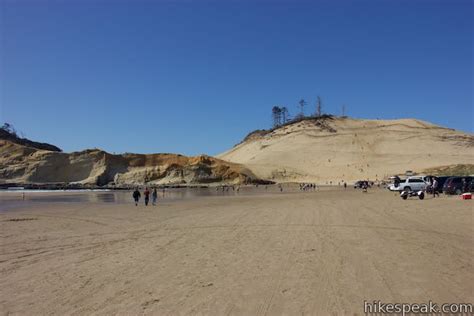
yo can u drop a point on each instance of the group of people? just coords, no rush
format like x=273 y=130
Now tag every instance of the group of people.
x=137 y=195
x=226 y=188
x=307 y=186
x=433 y=186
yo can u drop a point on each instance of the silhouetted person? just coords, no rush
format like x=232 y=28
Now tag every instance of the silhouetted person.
x=434 y=186
x=464 y=186
x=154 y=196
x=136 y=196
x=365 y=185
x=146 y=193
x=396 y=181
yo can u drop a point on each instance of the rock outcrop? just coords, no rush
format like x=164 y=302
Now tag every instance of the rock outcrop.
x=12 y=137
x=25 y=165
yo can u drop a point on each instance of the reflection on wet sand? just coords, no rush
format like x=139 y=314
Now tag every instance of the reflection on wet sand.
x=11 y=200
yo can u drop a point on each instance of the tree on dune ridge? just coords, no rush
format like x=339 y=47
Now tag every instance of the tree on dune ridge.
x=285 y=116
x=276 y=116
x=319 y=106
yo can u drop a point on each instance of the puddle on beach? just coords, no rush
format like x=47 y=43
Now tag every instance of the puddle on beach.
x=10 y=200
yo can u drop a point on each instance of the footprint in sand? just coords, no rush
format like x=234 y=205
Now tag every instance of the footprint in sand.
x=148 y=303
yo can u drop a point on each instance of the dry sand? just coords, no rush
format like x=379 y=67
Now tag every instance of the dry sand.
x=311 y=253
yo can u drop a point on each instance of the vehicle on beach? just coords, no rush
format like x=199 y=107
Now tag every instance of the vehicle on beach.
x=358 y=184
x=454 y=185
x=394 y=183
x=361 y=184
x=415 y=183
x=15 y=188
x=406 y=194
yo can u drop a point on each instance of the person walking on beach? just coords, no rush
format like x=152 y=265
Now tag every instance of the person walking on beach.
x=365 y=186
x=146 y=193
x=464 y=186
x=434 y=187
x=154 y=196
x=136 y=196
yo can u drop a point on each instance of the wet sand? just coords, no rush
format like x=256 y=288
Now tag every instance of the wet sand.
x=261 y=254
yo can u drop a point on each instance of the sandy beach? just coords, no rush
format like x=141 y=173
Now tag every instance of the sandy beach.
x=262 y=254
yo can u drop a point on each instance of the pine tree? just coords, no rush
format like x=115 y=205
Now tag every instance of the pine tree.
x=276 y=116
x=302 y=103
x=319 y=106
x=284 y=115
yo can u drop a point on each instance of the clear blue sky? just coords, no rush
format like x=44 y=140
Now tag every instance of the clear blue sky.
x=195 y=77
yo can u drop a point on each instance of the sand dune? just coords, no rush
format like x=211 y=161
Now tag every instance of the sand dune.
x=348 y=149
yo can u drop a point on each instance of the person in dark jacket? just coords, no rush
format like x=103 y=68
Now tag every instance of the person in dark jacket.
x=154 y=196
x=465 y=186
x=136 y=196
x=146 y=193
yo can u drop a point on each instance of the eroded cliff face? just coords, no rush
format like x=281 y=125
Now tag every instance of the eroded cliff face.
x=22 y=164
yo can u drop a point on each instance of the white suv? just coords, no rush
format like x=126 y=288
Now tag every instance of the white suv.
x=410 y=184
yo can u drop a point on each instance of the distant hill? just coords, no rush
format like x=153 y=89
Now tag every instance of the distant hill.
x=6 y=135
x=335 y=149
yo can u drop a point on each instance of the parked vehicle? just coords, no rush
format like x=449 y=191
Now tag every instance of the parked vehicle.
x=406 y=194
x=409 y=184
x=453 y=185
x=362 y=183
x=358 y=184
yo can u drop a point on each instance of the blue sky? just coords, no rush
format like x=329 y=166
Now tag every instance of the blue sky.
x=195 y=77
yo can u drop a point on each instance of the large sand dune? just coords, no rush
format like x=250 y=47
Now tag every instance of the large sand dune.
x=336 y=149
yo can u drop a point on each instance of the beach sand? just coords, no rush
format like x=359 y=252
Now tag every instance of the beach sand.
x=267 y=254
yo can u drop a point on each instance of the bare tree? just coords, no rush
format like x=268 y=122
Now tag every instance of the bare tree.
x=302 y=103
x=319 y=106
x=276 y=116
